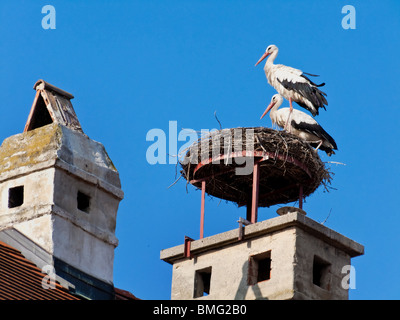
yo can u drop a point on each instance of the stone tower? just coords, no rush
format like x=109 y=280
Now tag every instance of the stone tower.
x=286 y=257
x=60 y=190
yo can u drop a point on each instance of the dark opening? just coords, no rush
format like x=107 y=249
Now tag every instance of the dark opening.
x=259 y=268
x=83 y=202
x=321 y=273
x=40 y=116
x=15 y=196
x=264 y=269
x=202 y=282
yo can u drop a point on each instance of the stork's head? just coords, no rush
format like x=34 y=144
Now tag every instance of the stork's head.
x=276 y=100
x=270 y=49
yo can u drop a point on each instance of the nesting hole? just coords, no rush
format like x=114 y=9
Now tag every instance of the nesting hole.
x=15 y=196
x=259 y=268
x=321 y=271
x=202 y=282
x=83 y=201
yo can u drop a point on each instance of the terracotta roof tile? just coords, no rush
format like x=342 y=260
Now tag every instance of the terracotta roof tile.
x=20 y=279
x=124 y=295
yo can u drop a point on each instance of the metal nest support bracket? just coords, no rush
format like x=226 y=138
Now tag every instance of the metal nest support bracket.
x=186 y=247
x=242 y=224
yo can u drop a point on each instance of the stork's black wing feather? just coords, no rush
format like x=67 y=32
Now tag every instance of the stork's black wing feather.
x=314 y=84
x=310 y=74
x=314 y=129
x=308 y=90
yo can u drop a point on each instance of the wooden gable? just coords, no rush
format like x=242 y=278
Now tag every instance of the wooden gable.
x=51 y=104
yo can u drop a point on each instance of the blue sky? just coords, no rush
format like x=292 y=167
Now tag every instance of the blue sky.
x=136 y=65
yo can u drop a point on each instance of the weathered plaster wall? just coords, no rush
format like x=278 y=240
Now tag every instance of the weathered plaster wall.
x=298 y=246
x=53 y=163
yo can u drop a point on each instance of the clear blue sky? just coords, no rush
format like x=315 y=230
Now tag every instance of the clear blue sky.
x=136 y=65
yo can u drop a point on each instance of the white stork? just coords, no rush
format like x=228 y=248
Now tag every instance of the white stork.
x=292 y=83
x=301 y=125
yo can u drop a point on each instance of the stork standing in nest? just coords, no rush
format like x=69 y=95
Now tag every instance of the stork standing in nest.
x=301 y=125
x=293 y=84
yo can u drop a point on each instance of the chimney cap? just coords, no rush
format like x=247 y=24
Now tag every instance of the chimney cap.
x=43 y=85
x=51 y=104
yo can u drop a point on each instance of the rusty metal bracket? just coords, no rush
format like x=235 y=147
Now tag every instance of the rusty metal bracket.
x=301 y=197
x=255 y=192
x=242 y=223
x=203 y=195
x=186 y=247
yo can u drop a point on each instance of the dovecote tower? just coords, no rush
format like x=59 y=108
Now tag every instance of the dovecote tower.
x=60 y=191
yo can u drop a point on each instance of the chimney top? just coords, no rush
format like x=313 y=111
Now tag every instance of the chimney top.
x=51 y=105
x=43 y=85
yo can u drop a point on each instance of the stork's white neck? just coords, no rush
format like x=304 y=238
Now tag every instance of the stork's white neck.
x=271 y=58
x=273 y=112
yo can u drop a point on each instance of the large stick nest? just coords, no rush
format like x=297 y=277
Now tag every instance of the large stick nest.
x=287 y=163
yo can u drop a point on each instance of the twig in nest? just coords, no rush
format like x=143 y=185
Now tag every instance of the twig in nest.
x=335 y=162
x=215 y=115
x=260 y=143
x=327 y=216
x=175 y=182
x=176 y=170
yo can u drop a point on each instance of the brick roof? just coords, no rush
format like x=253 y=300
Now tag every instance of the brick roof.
x=124 y=295
x=20 y=279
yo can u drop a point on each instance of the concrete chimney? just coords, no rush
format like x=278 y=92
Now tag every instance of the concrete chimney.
x=59 y=188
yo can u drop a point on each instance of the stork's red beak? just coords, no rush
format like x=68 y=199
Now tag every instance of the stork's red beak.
x=262 y=58
x=268 y=108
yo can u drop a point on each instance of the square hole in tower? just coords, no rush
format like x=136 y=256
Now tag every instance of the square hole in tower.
x=15 y=196
x=83 y=201
x=202 y=282
x=321 y=270
x=259 y=268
